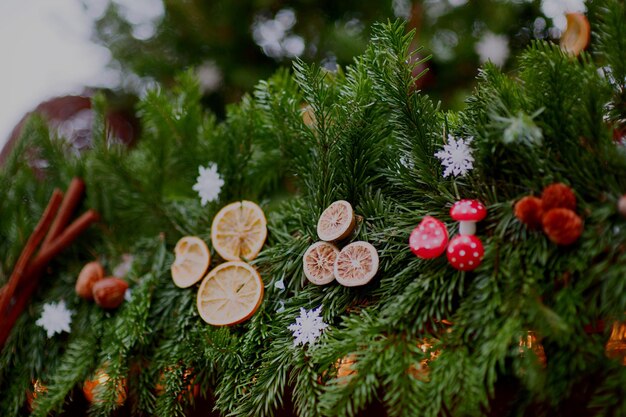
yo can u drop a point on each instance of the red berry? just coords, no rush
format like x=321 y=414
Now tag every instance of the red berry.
x=558 y=196
x=529 y=211
x=562 y=226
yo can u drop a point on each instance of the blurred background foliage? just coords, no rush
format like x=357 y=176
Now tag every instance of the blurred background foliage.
x=232 y=44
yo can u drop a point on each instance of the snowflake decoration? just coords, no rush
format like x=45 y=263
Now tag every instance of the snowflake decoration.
x=208 y=184
x=308 y=327
x=279 y=285
x=456 y=156
x=55 y=318
x=494 y=48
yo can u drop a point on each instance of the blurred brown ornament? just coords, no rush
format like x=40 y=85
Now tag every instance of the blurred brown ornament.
x=88 y=276
x=562 y=226
x=530 y=342
x=109 y=292
x=621 y=205
x=93 y=386
x=38 y=389
x=345 y=367
x=529 y=211
x=558 y=195
x=616 y=346
x=575 y=38
x=190 y=390
x=422 y=370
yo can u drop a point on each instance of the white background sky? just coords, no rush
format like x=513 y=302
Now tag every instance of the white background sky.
x=45 y=51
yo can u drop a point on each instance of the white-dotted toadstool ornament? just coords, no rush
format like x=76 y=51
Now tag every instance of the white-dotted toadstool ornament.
x=465 y=253
x=429 y=239
x=467 y=213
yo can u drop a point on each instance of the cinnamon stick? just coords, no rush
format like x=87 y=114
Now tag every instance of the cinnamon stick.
x=62 y=241
x=37 y=266
x=29 y=249
x=72 y=198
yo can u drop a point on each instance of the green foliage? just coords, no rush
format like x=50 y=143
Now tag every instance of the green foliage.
x=368 y=137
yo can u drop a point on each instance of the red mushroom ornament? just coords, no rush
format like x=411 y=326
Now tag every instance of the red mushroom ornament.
x=465 y=253
x=429 y=239
x=467 y=213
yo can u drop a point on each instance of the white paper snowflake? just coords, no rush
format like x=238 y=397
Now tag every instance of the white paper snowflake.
x=208 y=184
x=55 y=318
x=308 y=327
x=456 y=156
x=494 y=48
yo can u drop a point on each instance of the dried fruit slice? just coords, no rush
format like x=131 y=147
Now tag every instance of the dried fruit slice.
x=336 y=222
x=319 y=262
x=230 y=294
x=239 y=231
x=356 y=264
x=575 y=38
x=192 y=261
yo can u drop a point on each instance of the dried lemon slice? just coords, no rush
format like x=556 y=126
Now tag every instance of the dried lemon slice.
x=336 y=222
x=575 y=38
x=230 y=294
x=239 y=231
x=318 y=262
x=192 y=261
x=356 y=264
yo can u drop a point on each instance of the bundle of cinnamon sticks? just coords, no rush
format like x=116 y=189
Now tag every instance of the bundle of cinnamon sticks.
x=55 y=233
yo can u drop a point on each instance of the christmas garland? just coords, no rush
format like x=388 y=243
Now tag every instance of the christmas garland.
x=304 y=264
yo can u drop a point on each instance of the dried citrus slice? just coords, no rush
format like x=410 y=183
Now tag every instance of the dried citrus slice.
x=336 y=222
x=230 y=294
x=576 y=35
x=239 y=231
x=356 y=264
x=192 y=261
x=319 y=262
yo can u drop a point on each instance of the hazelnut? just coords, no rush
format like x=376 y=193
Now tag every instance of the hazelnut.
x=89 y=275
x=109 y=292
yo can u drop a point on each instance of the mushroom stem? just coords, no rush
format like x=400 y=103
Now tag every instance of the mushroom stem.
x=467 y=228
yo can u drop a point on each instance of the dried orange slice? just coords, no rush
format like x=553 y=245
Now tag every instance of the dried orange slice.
x=336 y=222
x=356 y=264
x=230 y=294
x=192 y=261
x=318 y=262
x=576 y=35
x=239 y=231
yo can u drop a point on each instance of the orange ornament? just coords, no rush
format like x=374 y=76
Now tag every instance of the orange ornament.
x=529 y=211
x=616 y=346
x=345 y=367
x=38 y=388
x=191 y=389
x=562 y=226
x=530 y=342
x=92 y=387
x=558 y=195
